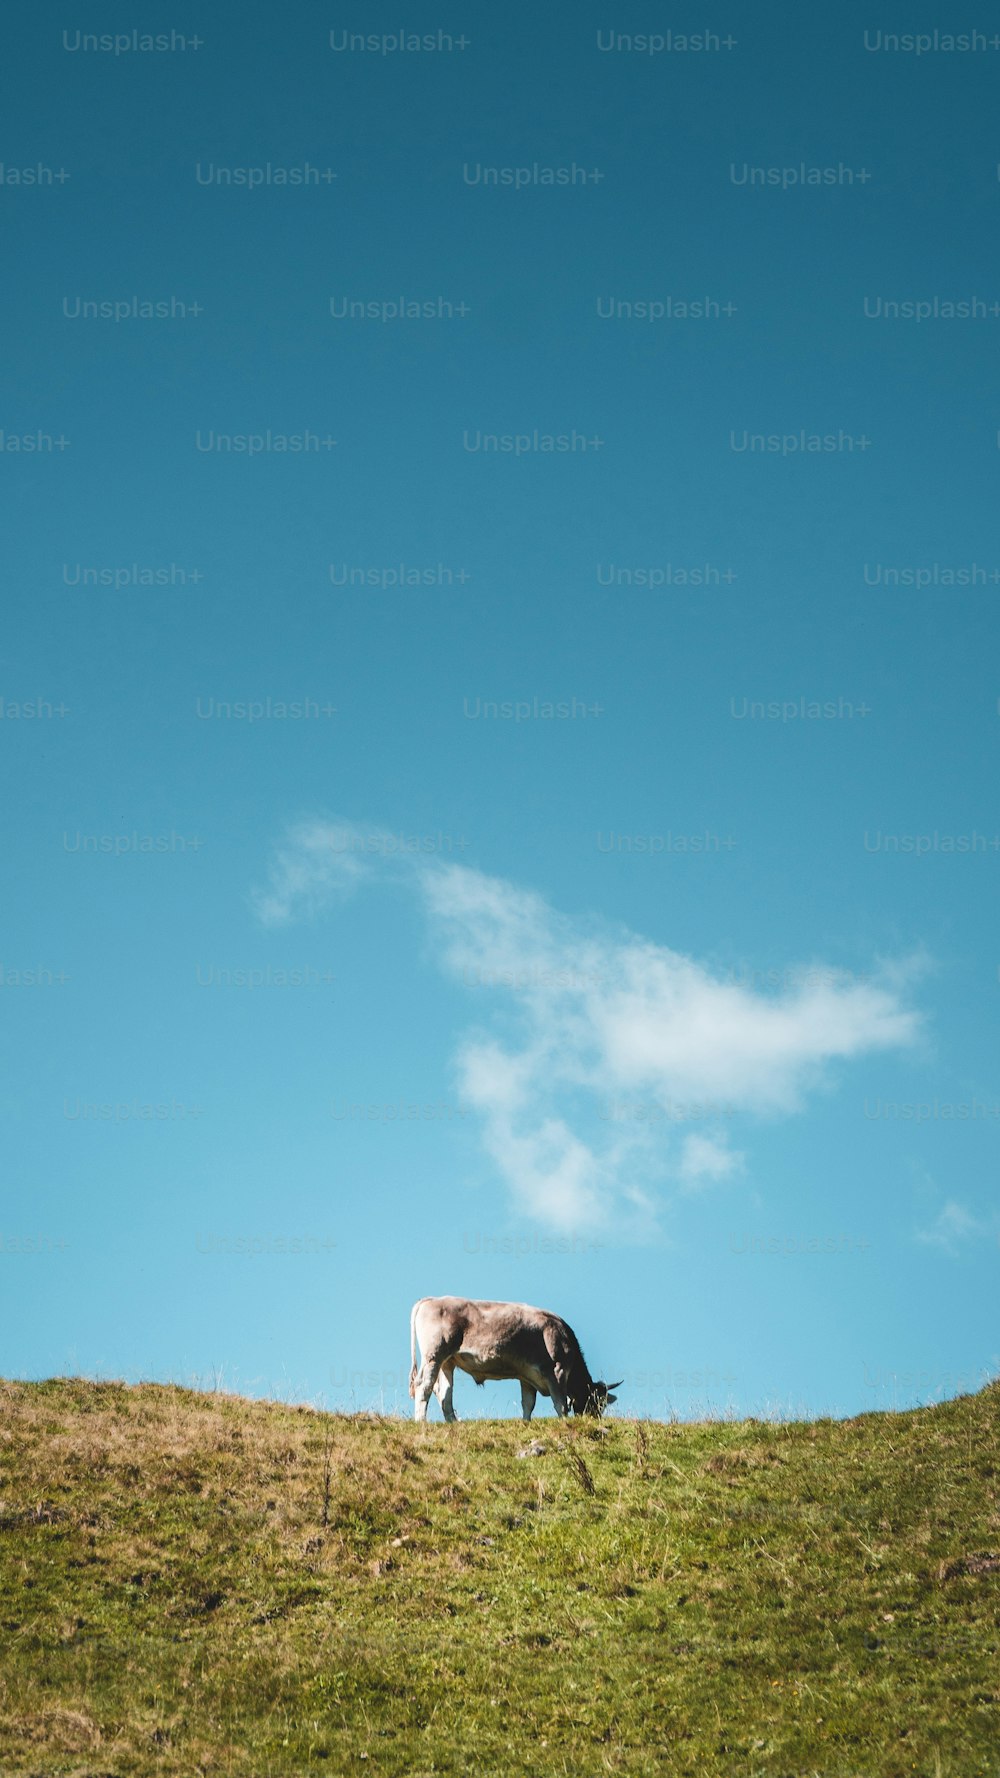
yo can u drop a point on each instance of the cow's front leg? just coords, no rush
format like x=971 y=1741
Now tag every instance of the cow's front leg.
x=528 y=1396
x=552 y=1388
x=444 y=1390
x=424 y=1388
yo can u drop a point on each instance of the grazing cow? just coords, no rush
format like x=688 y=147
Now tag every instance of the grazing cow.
x=508 y=1342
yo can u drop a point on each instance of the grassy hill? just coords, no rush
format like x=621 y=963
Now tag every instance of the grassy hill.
x=198 y=1583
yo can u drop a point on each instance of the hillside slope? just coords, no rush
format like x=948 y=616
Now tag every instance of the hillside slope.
x=200 y=1583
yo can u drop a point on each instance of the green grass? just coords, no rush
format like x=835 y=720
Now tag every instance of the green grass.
x=198 y=1583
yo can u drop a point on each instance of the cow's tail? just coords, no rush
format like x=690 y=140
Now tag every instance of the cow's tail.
x=413 y=1349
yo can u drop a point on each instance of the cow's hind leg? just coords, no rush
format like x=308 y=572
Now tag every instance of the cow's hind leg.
x=528 y=1397
x=423 y=1389
x=444 y=1388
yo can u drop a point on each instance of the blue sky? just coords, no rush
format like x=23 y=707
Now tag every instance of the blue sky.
x=560 y=871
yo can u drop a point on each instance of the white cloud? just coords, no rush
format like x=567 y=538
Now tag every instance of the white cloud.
x=672 y=1020
x=569 y=1011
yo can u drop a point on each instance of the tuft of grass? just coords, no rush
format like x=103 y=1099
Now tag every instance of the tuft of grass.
x=197 y=1583
x=578 y=1468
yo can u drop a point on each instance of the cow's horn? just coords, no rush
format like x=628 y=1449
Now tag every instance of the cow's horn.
x=610 y=1386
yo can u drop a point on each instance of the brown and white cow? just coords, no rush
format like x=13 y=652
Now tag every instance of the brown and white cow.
x=505 y=1342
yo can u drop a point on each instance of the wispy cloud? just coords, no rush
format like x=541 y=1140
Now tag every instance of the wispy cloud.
x=704 y=1159
x=569 y=1011
x=317 y=861
x=955 y=1227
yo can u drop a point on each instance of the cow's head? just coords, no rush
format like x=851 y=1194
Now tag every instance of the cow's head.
x=600 y=1398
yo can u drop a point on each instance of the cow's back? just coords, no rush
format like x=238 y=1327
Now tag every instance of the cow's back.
x=492 y=1328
